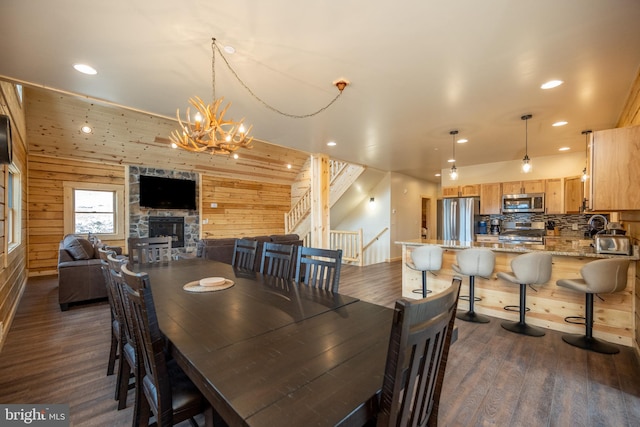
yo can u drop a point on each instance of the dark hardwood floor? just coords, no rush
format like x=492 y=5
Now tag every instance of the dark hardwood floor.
x=494 y=377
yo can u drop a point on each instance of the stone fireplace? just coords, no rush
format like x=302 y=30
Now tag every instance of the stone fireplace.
x=182 y=225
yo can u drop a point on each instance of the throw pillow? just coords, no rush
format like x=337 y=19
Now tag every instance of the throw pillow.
x=78 y=248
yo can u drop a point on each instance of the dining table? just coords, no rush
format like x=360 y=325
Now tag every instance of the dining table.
x=271 y=352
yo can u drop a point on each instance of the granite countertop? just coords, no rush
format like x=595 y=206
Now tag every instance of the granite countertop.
x=575 y=248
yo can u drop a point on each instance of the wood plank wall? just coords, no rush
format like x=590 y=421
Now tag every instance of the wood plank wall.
x=244 y=208
x=46 y=203
x=13 y=273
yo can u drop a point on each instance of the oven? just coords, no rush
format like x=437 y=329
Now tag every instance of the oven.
x=522 y=232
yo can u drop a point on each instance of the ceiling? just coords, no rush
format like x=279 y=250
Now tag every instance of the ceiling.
x=418 y=69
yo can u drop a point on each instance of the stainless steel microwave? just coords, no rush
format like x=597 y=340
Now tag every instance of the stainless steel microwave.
x=515 y=203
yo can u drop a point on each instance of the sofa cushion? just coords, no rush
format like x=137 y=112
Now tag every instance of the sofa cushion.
x=78 y=248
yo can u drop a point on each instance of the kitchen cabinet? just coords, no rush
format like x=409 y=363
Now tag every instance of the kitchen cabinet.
x=614 y=169
x=490 y=198
x=553 y=196
x=523 y=187
x=470 y=190
x=573 y=194
x=487 y=238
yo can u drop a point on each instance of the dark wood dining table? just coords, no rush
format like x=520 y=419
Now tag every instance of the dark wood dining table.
x=270 y=352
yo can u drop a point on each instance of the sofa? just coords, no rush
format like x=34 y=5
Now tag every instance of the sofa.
x=222 y=249
x=80 y=277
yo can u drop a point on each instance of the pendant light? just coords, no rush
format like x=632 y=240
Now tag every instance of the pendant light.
x=453 y=174
x=526 y=164
x=586 y=133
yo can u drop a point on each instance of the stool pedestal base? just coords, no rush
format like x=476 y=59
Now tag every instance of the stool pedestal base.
x=472 y=316
x=522 y=329
x=592 y=344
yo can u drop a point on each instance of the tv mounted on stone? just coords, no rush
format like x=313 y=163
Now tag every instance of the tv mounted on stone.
x=167 y=193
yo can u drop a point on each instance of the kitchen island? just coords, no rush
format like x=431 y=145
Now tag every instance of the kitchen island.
x=548 y=306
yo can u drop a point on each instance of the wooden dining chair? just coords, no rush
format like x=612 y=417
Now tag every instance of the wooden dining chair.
x=167 y=392
x=127 y=362
x=277 y=260
x=244 y=254
x=417 y=358
x=149 y=250
x=319 y=268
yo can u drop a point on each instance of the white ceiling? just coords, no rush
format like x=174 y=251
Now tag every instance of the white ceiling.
x=418 y=68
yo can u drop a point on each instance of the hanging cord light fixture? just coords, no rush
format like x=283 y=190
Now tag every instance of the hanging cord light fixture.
x=210 y=131
x=586 y=133
x=453 y=174
x=526 y=162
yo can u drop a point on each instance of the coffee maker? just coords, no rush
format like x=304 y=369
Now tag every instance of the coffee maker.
x=495 y=226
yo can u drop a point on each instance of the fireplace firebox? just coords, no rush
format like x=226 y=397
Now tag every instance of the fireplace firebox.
x=161 y=226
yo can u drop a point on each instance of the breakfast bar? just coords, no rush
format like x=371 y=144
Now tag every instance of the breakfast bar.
x=549 y=304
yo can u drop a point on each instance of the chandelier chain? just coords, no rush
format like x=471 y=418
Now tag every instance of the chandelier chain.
x=274 y=109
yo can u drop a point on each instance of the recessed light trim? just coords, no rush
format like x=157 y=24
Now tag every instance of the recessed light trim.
x=451 y=161
x=560 y=123
x=86 y=129
x=564 y=149
x=331 y=143
x=289 y=166
x=438 y=174
x=230 y=49
x=85 y=69
x=551 y=84
x=462 y=140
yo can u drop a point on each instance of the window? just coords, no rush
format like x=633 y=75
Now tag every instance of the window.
x=13 y=205
x=97 y=209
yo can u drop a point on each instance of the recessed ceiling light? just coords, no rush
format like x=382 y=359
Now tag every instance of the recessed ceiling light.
x=551 y=84
x=451 y=160
x=235 y=156
x=462 y=140
x=331 y=144
x=560 y=123
x=289 y=166
x=230 y=49
x=564 y=149
x=85 y=69
x=174 y=145
x=437 y=174
x=86 y=129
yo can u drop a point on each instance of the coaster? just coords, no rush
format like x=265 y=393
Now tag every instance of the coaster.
x=196 y=287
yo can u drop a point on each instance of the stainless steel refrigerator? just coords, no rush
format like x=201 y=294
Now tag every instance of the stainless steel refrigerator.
x=457 y=218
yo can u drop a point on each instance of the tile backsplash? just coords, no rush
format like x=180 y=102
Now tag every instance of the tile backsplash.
x=564 y=223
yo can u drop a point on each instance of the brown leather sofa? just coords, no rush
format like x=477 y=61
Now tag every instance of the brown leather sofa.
x=80 y=276
x=222 y=249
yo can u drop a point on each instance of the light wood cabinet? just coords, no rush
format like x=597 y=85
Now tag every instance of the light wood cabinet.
x=523 y=187
x=490 y=198
x=615 y=169
x=553 y=196
x=470 y=190
x=573 y=194
x=487 y=238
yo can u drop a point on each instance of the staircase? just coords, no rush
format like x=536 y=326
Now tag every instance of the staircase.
x=342 y=176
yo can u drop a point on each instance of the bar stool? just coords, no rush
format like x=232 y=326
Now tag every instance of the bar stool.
x=532 y=268
x=474 y=262
x=604 y=276
x=426 y=258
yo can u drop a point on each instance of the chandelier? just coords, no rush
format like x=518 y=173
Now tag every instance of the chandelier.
x=211 y=132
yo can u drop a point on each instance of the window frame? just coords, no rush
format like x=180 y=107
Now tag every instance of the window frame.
x=119 y=207
x=13 y=207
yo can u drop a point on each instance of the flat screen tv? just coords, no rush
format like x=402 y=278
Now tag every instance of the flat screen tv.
x=167 y=193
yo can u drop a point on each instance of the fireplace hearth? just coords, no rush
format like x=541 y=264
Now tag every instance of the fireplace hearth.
x=161 y=226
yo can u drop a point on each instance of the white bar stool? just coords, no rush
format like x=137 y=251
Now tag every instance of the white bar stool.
x=426 y=258
x=604 y=276
x=533 y=268
x=474 y=262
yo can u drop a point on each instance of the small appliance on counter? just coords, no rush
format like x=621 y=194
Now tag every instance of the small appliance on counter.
x=613 y=244
x=615 y=228
x=495 y=226
x=482 y=227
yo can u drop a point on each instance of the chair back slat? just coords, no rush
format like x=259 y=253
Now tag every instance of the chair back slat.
x=244 y=254
x=277 y=260
x=319 y=268
x=416 y=359
x=149 y=250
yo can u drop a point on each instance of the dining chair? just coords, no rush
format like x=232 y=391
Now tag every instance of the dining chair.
x=319 y=268
x=417 y=358
x=115 y=348
x=277 y=260
x=127 y=362
x=167 y=393
x=244 y=254
x=149 y=250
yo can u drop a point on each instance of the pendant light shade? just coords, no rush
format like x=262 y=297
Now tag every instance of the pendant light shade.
x=586 y=133
x=526 y=162
x=453 y=174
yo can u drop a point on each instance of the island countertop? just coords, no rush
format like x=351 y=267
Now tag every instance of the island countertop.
x=575 y=248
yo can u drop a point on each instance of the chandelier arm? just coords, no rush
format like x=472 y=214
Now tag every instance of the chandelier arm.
x=294 y=116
